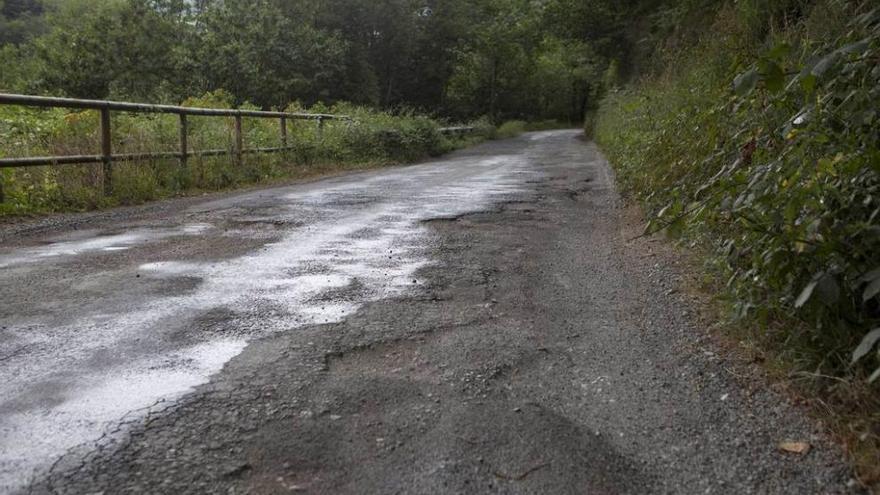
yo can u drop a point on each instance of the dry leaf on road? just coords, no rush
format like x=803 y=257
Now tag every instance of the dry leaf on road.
x=800 y=448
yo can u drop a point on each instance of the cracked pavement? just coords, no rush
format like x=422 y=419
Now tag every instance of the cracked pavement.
x=477 y=324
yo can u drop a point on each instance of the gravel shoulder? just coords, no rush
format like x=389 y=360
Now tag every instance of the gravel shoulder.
x=543 y=352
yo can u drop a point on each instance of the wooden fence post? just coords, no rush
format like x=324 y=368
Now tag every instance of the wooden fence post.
x=184 y=147
x=106 y=151
x=284 y=132
x=239 y=141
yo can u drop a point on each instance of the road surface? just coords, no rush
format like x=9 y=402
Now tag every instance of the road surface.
x=479 y=323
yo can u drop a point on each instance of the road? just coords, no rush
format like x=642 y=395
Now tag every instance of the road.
x=479 y=323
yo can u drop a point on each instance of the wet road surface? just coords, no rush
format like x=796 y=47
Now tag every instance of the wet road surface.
x=467 y=306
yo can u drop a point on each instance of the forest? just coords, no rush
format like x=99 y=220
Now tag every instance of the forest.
x=747 y=130
x=501 y=58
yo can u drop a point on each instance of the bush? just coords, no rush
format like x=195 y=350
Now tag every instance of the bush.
x=509 y=129
x=762 y=152
x=777 y=171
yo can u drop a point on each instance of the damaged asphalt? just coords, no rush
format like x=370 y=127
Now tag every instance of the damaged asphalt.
x=481 y=324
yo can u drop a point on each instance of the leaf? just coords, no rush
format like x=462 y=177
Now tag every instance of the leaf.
x=870 y=276
x=874 y=376
x=746 y=82
x=826 y=166
x=806 y=294
x=868 y=18
x=800 y=448
x=867 y=345
x=663 y=212
x=808 y=83
x=871 y=290
x=826 y=63
x=773 y=75
x=857 y=47
x=779 y=52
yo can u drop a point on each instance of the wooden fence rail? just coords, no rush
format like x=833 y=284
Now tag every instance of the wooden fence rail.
x=107 y=157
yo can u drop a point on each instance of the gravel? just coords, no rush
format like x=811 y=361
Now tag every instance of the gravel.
x=543 y=351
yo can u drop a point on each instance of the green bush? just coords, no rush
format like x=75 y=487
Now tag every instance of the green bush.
x=763 y=145
x=509 y=129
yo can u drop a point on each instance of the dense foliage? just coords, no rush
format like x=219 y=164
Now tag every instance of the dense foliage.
x=771 y=152
x=456 y=58
x=755 y=139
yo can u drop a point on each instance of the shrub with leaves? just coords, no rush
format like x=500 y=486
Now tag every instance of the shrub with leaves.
x=777 y=168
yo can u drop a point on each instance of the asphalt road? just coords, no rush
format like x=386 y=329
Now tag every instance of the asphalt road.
x=476 y=324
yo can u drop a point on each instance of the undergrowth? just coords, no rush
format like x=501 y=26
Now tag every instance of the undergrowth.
x=760 y=144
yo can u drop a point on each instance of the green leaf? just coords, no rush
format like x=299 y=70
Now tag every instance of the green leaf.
x=806 y=294
x=774 y=76
x=779 y=51
x=867 y=345
x=808 y=83
x=746 y=82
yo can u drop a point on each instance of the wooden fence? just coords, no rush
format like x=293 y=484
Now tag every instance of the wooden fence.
x=107 y=157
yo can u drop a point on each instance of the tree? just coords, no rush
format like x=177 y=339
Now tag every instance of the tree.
x=253 y=50
x=80 y=52
x=458 y=58
x=20 y=21
x=15 y=9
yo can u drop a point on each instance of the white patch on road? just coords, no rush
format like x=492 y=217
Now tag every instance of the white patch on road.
x=106 y=243
x=96 y=410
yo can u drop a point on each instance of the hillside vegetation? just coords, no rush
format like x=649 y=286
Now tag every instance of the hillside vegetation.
x=755 y=141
